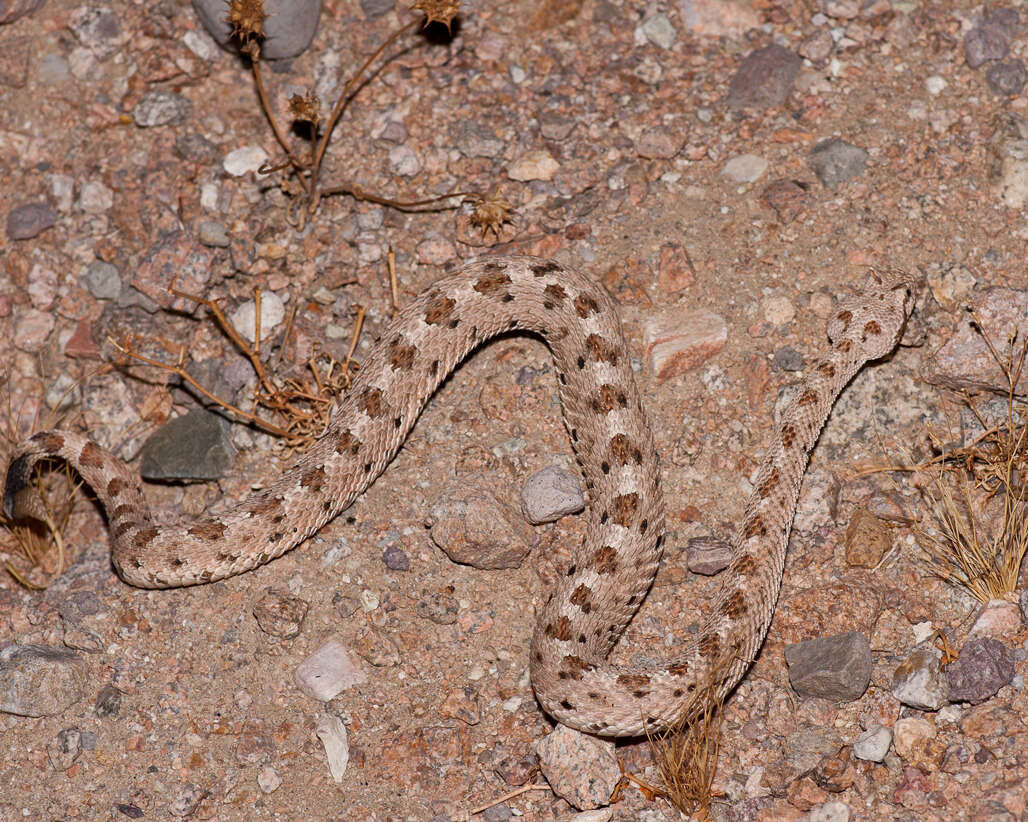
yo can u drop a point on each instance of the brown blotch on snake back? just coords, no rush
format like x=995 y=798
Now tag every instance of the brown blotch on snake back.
x=680 y=668
x=440 y=310
x=808 y=397
x=581 y=597
x=263 y=504
x=542 y=269
x=209 y=530
x=347 y=442
x=710 y=646
x=754 y=527
x=561 y=630
x=623 y=451
x=844 y=346
x=844 y=317
x=91 y=456
x=610 y=398
x=48 y=441
x=116 y=486
x=734 y=606
x=491 y=283
x=586 y=305
x=826 y=370
x=788 y=435
x=122 y=511
x=744 y=565
x=637 y=684
x=313 y=478
x=605 y=560
x=624 y=509
x=872 y=329
x=143 y=537
x=767 y=487
x=554 y=295
x=372 y=403
x=601 y=350
x=401 y=358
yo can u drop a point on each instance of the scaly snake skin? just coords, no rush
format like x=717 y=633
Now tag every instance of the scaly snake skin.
x=611 y=572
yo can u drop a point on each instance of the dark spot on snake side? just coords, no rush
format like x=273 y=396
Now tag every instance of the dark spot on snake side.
x=566 y=705
x=572 y=570
x=605 y=467
x=581 y=363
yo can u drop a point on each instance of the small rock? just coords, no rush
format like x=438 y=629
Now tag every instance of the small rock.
x=912 y=733
x=64 y=749
x=985 y=42
x=835 y=161
x=984 y=666
x=476 y=139
x=555 y=126
x=187 y=801
x=788 y=358
x=660 y=143
x=473 y=528
x=462 y=704
x=533 y=165
x=868 y=540
x=194 y=447
x=677 y=341
x=289 y=27
x=918 y=681
x=764 y=79
x=935 y=85
x=440 y=607
x=834 y=811
x=95 y=198
x=404 y=161
x=581 y=769
x=280 y=615
x=161 y=108
x=196 y=148
x=378 y=648
x=951 y=284
x=818 y=46
x=396 y=559
x=103 y=280
x=1007 y=79
x=332 y=733
x=788 y=198
x=835 y=667
x=746 y=168
x=32 y=328
x=244 y=318
x=327 y=672
x=659 y=31
x=108 y=702
x=30 y=220
x=376 y=8
x=38 y=680
x=707 y=555
x=550 y=494
x=779 y=311
x=244 y=160
x=998 y=618
x=675 y=269
x=873 y=744
x=269 y=780
x=42 y=287
x=98 y=29
x=213 y=234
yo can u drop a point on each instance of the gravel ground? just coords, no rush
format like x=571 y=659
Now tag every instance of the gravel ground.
x=726 y=171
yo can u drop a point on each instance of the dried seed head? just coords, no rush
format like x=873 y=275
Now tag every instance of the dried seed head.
x=491 y=213
x=438 y=11
x=306 y=108
x=247 y=19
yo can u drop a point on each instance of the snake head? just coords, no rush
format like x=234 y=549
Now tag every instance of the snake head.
x=873 y=319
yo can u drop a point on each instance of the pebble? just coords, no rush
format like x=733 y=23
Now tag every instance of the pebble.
x=42 y=286
x=194 y=446
x=868 y=540
x=440 y=607
x=102 y=280
x=818 y=46
x=196 y=148
x=707 y=555
x=678 y=341
x=63 y=393
x=984 y=666
x=108 y=702
x=476 y=139
x=764 y=79
x=95 y=198
x=280 y=615
x=660 y=143
x=11 y=10
x=269 y=779
x=376 y=8
x=1008 y=78
x=909 y=734
x=187 y=801
x=98 y=29
x=952 y=284
x=30 y=220
x=833 y=811
x=161 y=108
x=244 y=160
x=788 y=198
x=533 y=165
x=836 y=667
x=746 y=168
x=788 y=358
x=244 y=318
x=474 y=528
x=64 y=749
x=1023 y=603
x=40 y=680
x=396 y=559
x=985 y=42
x=332 y=733
x=998 y=618
x=289 y=27
x=873 y=744
x=32 y=328
x=919 y=682
x=327 y=672
x=404 y=161
x=582 y=770
x=598 y=815
x=212 y=233
x=550 y=494
x=778 y=311
x=378 y=648
x=659 y=31
x=835 y=161
x=435 y=251
x=935 y=84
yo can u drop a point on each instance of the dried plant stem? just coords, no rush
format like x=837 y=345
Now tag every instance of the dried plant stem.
x=295 y=161
x=358 y=191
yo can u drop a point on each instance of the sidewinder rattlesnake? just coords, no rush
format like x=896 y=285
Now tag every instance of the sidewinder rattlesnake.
x=585 y=614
